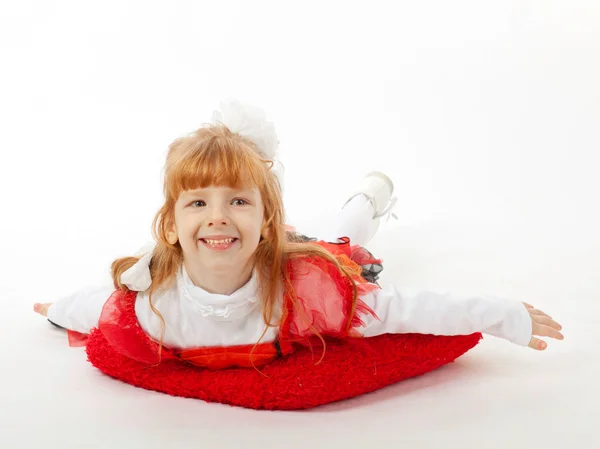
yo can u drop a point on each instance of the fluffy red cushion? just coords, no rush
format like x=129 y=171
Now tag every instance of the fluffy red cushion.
x=350 y=368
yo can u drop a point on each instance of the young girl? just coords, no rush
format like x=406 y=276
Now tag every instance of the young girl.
x=228 y=284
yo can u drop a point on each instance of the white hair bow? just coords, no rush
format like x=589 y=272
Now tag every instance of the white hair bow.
x=251 y=122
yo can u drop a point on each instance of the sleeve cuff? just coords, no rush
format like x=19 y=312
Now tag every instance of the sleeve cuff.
x=524 y=328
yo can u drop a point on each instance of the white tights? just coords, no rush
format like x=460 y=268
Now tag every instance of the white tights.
x=354 y=221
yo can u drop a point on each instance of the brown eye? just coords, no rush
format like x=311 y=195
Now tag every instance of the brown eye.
x=199 y=202
x=239 y=202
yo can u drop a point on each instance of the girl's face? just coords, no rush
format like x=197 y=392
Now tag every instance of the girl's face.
x=218 y=228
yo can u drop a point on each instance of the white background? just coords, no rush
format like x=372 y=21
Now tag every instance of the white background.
x=485 y=115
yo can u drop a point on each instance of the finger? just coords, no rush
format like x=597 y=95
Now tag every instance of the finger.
x=529 y=306
x=545 y=331
x=541 y=319
x=535 y=311
x=537 y=344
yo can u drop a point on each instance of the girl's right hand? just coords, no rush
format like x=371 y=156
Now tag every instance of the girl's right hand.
x=42 y=309
x=544 y=326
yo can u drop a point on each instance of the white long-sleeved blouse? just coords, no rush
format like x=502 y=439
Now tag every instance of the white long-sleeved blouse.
x=196 y=318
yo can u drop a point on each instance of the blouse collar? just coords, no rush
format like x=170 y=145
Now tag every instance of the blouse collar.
x=217 y=306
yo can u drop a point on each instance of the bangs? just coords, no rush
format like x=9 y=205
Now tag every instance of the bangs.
x=218 y=162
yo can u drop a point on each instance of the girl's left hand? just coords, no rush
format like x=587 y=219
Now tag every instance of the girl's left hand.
x=42 y=309
x=544 y=326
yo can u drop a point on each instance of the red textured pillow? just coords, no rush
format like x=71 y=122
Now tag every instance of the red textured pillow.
x=350 y=368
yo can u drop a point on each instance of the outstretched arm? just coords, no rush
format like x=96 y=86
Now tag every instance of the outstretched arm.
x=427 y=312
x=78 y=312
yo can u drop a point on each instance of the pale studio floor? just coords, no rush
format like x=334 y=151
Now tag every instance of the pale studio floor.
x=496 y=396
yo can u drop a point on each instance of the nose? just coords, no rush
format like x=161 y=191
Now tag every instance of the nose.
x=217 y=216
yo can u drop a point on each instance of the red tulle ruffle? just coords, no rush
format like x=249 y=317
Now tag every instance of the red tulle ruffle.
x=119 y=325
x=322 y=298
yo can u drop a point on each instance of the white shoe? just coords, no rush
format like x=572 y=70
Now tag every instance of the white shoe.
x=378 y=188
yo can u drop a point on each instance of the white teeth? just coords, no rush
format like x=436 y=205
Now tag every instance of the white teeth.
x=219 y=242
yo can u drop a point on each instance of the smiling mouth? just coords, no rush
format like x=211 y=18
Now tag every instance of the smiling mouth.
x=219 y=243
